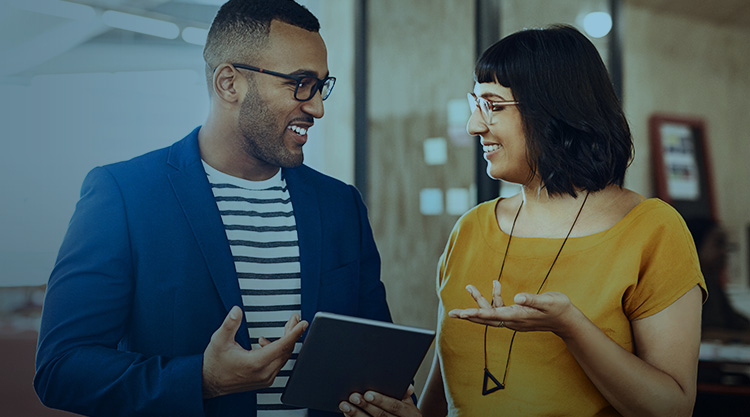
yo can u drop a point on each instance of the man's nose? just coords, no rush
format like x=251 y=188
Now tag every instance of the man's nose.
x=314 y=106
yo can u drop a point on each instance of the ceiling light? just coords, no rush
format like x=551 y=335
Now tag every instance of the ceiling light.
x=141 y=24
x=196 y=36
x=597 y=24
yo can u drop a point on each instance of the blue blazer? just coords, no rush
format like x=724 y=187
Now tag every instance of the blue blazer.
x=145 y=276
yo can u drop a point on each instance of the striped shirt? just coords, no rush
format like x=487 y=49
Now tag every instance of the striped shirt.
x=259 y=222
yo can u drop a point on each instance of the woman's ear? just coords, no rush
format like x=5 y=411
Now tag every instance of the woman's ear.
x=226 y=83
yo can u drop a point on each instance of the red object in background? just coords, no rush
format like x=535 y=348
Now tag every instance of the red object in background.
x=705 y=204
x=17 y=396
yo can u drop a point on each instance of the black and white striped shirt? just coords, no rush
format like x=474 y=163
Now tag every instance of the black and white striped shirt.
x=259 y=222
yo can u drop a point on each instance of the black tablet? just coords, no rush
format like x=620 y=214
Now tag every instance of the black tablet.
x=344 y=354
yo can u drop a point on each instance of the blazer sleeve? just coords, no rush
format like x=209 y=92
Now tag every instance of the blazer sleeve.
x=372 y=300
x=85 y=316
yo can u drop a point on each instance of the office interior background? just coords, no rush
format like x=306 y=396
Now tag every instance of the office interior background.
x=81 y=85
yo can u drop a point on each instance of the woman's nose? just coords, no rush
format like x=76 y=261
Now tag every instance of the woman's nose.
x=476 y=126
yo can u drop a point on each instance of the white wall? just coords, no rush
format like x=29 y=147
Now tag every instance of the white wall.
x=58 y=127
x=102 y=102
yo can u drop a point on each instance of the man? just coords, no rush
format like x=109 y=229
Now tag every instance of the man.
x=164 y=252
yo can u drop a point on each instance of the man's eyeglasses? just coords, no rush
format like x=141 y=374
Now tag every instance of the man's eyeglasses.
x=306 y=86
x=486 y=107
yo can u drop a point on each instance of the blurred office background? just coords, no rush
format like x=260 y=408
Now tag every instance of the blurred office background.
x=82 y=85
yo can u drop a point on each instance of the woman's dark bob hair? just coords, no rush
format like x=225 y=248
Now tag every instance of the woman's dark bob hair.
x=576 y=133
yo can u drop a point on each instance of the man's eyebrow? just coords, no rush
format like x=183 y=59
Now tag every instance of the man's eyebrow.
x=307 y=73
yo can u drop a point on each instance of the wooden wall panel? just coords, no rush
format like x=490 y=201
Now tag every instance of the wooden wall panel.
x=420 y=56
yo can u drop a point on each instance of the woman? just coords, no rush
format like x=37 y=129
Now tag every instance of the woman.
x=587 y=296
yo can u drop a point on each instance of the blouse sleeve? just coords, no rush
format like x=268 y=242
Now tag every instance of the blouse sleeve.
x=669 y=265
x=442 y=262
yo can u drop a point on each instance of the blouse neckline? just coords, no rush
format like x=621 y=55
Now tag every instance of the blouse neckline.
x=498 y=239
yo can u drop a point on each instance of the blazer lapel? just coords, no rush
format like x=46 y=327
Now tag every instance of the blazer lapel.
x=309 y=233
x=193 y=191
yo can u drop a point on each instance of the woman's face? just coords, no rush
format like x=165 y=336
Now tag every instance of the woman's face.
x=503 y=141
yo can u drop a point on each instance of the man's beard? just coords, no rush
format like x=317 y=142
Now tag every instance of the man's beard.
x=262 y=140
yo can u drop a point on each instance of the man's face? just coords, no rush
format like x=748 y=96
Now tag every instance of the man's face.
x=273 y=124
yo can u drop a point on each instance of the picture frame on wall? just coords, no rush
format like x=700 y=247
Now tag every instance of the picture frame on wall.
x=681 y=164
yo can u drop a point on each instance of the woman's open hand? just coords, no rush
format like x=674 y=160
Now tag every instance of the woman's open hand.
x=551 y=311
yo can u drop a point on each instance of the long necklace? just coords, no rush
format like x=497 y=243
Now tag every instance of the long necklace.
x=487 y=374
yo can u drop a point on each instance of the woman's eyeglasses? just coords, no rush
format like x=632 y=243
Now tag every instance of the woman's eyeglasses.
x=486 y=107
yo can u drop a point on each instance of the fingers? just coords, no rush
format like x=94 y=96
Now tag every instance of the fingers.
x=524 y=299
x=221 y=346
x=293 y=330
x=351 y=410
x=481 y=301
x=296 y=332
x=225 y=333
x=273 y=355
x=497 y=300
x=409 y=393
x=291 y=323
x=228 y=368
x=374 y=404
x=492 y=322
x=464 y=313
x=283 y=347
x=286 y=342
x=551 y=303
x=542 y=302
x=476 y=315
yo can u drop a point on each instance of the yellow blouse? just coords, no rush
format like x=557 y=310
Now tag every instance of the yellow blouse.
x=633 y=270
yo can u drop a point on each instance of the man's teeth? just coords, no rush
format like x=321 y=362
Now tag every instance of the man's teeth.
x=490 y=148
x=298 y=130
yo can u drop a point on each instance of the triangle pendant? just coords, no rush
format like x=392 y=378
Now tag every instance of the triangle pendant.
x=498 y=385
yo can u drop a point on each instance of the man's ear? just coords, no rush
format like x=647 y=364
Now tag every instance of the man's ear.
x=226 y=83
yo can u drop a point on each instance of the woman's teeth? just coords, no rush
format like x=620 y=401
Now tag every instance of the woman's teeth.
x=298 y=130
x=490 y=148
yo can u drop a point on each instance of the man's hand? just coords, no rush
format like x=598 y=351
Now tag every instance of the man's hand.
x=228 y=368
x=378 y=405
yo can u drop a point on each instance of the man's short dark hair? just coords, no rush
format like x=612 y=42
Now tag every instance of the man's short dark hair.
x=241 y=27
x=576 y=132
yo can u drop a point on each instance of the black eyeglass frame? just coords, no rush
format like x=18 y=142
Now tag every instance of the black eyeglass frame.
x=319 y=84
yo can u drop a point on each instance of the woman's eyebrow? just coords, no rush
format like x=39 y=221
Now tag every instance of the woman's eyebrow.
x=493 y=97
